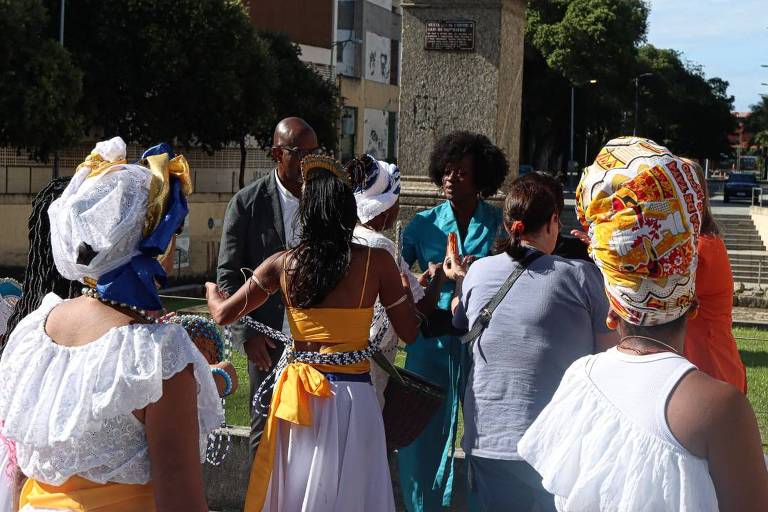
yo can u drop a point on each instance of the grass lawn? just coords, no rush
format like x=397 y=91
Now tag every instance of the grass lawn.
x=753 y=346
x=752 y=343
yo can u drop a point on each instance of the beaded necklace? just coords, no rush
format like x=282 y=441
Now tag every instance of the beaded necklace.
x=142 y=313
x=641 y=352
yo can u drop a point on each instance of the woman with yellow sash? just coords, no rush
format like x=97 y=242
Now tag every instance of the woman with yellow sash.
x=323 y=447
x=108 y=410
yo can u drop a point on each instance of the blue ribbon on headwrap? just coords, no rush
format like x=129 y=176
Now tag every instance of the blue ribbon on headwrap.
x=372 y=171
x=159 y=150
x=134 y=283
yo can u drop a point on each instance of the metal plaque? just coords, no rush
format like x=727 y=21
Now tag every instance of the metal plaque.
x=450 y=36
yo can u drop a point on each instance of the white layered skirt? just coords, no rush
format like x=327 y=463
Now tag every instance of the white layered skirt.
x=337 y=464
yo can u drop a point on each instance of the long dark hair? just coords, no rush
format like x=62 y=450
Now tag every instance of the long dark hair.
x=326 y=217
x=41 y=276
x=532 y=200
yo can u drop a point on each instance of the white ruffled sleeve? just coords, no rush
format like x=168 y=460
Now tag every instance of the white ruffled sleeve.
x=51 y=394
x=592 y=457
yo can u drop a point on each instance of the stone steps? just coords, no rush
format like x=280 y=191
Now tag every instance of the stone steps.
x=744 y=240
x=746 y=250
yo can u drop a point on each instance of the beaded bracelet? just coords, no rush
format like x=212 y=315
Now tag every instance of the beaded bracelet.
x=227 y=380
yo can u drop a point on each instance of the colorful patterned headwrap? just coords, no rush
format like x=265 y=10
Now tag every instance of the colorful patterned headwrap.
x=643 y=207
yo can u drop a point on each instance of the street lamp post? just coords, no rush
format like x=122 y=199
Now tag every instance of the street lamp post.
x=637 y=98
x=571 y=163
x=586 y=145
x=61 y=42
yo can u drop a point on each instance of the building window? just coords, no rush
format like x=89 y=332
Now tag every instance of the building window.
x=348 y=132
x=394 y=58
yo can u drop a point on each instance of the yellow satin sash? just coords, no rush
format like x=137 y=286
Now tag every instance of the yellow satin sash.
x=298 y=383
x=86 y=496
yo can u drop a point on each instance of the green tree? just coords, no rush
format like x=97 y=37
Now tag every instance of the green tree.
x=587 y=39
x=39 y=85
x=761 y=141
x=300 y=92
x=681 y=107
x=757 y=123
x=180 y=70
x=570 y=42
x=758 y=116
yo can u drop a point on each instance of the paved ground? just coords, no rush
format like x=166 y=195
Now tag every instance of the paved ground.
x=750 y=317
x=732 y=208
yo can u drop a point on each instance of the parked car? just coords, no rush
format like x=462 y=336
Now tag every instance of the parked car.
x=739 y=186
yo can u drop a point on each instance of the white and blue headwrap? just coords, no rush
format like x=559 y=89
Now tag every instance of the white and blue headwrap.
x=115 y=219
x=380 y=189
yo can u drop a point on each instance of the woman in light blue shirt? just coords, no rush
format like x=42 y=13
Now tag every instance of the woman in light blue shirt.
x=553 y=314
x=468 y=168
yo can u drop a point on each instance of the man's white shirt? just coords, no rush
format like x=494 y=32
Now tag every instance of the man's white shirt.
x=289 y=205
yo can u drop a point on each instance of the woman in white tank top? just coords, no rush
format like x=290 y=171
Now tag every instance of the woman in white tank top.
x=638 y=427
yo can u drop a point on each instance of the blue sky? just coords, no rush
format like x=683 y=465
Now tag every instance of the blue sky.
x=729 y=38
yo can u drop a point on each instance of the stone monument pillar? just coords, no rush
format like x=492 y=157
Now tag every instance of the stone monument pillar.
x=462 y=69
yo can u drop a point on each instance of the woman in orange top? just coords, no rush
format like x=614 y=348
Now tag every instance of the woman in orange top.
x=709 y=342
x=323 y=447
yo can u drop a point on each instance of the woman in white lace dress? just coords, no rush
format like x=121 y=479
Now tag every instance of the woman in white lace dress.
x=638 y=428
x=108 y=410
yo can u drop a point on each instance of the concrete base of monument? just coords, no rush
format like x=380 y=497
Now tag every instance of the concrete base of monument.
x=225 y=485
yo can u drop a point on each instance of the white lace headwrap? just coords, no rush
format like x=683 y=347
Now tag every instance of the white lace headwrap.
x=105 y=213
x=380 y=190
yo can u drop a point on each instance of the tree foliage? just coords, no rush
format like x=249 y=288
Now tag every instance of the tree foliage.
x=192 y=72
x=179 y=70
x=681 y=108
x=39 y=85
x=757 y=123
x=587 y=39
x=758 y=116
x=301 y=92
x=570 y=42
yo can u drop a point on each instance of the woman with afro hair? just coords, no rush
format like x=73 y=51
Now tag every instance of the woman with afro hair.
x=468 y=168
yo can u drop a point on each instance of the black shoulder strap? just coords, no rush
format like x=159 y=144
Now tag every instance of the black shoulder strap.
x=484 y=318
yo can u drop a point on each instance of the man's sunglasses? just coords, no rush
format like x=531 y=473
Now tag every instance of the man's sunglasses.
x=301 y=153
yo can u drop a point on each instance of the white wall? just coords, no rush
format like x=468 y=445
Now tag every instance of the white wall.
x=376 y=133
x=346 y=66
x=376 y=58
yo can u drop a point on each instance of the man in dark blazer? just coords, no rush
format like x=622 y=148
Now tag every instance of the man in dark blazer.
x=258 y=223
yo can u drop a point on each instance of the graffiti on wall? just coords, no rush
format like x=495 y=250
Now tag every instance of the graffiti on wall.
x=376 y=130
x=377 y=58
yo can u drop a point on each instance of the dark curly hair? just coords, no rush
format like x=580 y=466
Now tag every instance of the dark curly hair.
x=327 y=217
x=491 y=166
